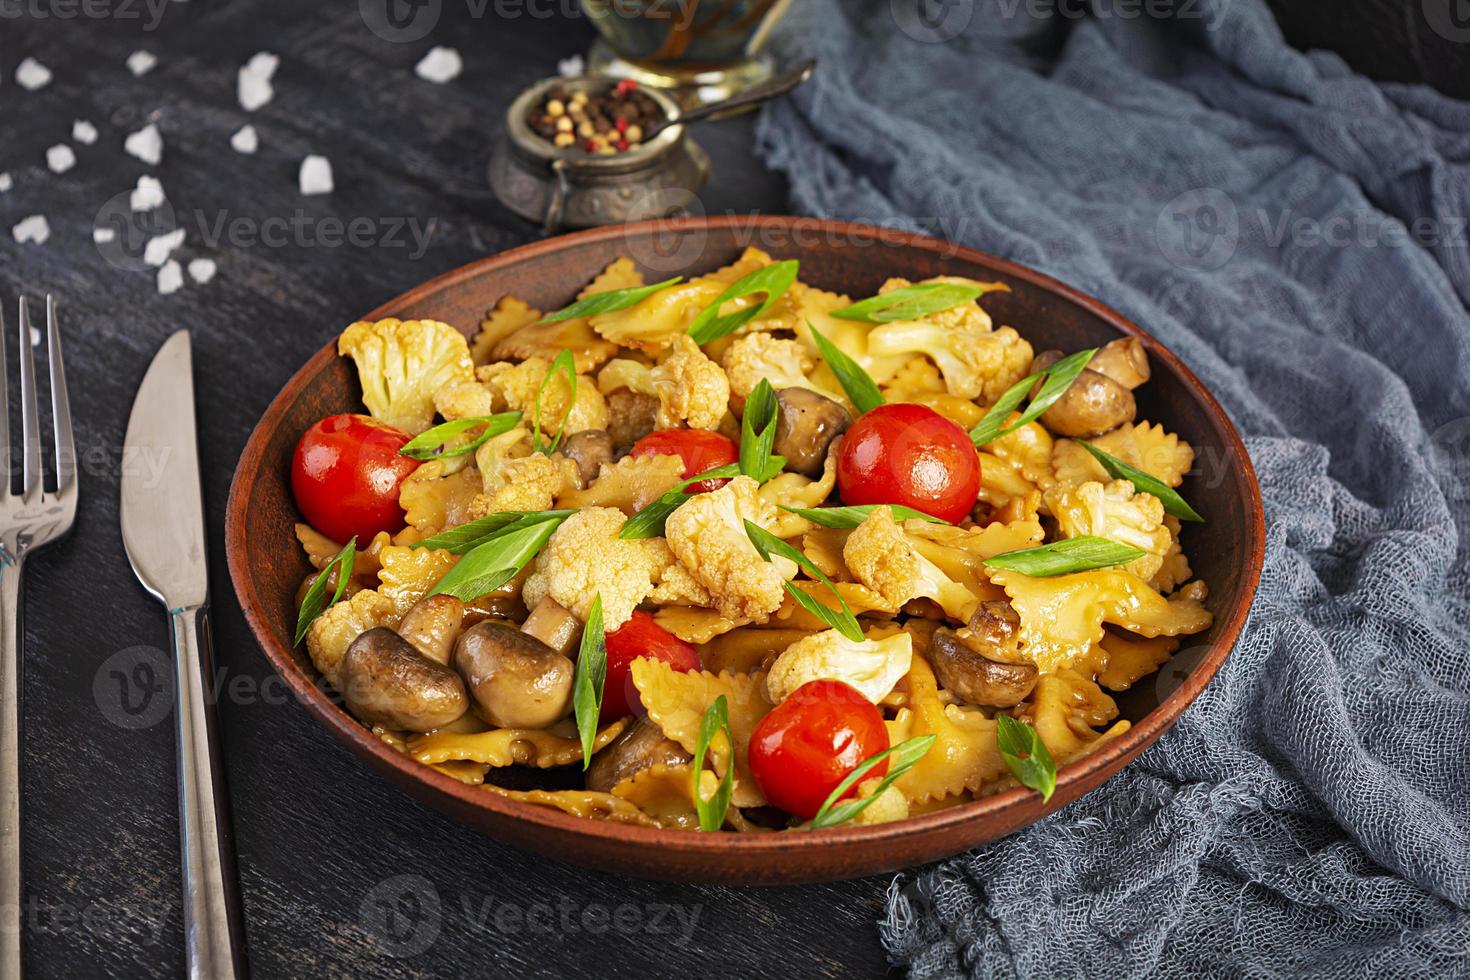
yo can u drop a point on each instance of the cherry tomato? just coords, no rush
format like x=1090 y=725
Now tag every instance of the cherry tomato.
x=345 y=475
x=911 y=455
x=699 y=449
x=811 y=741
x=639 y=637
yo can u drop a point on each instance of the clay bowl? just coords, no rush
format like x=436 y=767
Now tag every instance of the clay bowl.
x=266 y=564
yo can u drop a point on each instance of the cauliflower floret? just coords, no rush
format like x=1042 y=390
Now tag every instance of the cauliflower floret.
x=517 y=384
x=464 y=400
x=871 y=666
x=890 y=805
x=784 y=363
x=624 y=372
x=331 y=633
x=1115 y=512
x=585 y=558
x=402 y=363
x=528 y=483
x=691 y=388
x=976 y=361
x=675 y=584
x=707 y=534
x=879 y=554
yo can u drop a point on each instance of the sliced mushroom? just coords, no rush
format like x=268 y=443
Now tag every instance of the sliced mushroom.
x=978 y=663
x=806 y=424
x=517 y=681
x=386 y=681
x=1091 y=405
x=630 y=416
x=432 y=626
x=552 y=624
x=589 y=449
x=641 y=746
x=1125 y=360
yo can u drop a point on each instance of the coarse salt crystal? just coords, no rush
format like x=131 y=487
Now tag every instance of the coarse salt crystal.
x=316 y=175
x=6 y=183
x=253 y=84
x=160 y=247
x=146 y=144
x=33 y=229
x=170 y=278
x=147 y=195
x=141 y=63
x=571 y=67
x=440 y=65
x=60 y=158
x=84 y=132
x=32 y=75
x=202 y=270
x=103 y=235
x=246 y=140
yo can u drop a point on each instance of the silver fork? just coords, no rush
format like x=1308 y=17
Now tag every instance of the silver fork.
x=30 y=519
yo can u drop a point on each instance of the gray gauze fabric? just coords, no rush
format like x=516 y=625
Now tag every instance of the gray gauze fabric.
x=1297 y=235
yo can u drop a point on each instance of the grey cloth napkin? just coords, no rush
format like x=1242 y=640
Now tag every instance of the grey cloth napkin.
x=1297 y=234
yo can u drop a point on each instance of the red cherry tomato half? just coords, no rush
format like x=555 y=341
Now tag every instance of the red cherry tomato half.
x=811 y=741
x=345 y=476
x=699 y=449
x=639 y=637
x=911 y=455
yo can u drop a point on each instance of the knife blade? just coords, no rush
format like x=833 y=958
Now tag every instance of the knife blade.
x=163 y=534
x=162 y=505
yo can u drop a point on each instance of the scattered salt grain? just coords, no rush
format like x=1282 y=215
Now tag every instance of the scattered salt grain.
x=60 y=158
x=35 y=337
x=170 y=278
x=440 y=65
x=84 y=132
x=253 y=84
x=33 y=229
x=147 y=195
x=246 y=140
x=141 y=63
x=202 y=270
x=160 y=247
x=571 y=67
x=146 y=144
x=32 y=75
x=316 y=175
x=103 y=235
x=6 y=183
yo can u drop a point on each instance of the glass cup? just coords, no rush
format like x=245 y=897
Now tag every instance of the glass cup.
x=702 y=50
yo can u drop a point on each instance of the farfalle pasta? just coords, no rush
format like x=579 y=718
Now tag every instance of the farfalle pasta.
x=672 y=533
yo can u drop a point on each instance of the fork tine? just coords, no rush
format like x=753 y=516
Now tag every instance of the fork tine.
x=30 y=421
x=66 y=452
x=5 y=460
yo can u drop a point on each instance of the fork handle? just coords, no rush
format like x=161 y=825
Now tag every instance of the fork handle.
x=12 y=636
x=214 y=936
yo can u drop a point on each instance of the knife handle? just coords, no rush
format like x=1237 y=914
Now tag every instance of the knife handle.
x=214 y=935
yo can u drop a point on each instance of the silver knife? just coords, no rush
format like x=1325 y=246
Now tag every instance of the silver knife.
x=163 y=532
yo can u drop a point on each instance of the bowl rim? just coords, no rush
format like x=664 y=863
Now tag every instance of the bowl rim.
x=460 y=796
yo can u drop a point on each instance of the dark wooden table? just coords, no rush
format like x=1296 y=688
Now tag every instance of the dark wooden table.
x=342 y=876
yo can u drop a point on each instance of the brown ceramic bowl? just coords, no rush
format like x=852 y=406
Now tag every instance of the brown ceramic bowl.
x=266 y=564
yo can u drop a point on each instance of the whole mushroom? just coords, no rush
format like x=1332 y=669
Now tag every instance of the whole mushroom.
x=589 y=449
x=1093 y=404
x=386 y=681
x=432 y=626
x=516 y=680
x=806 y=424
